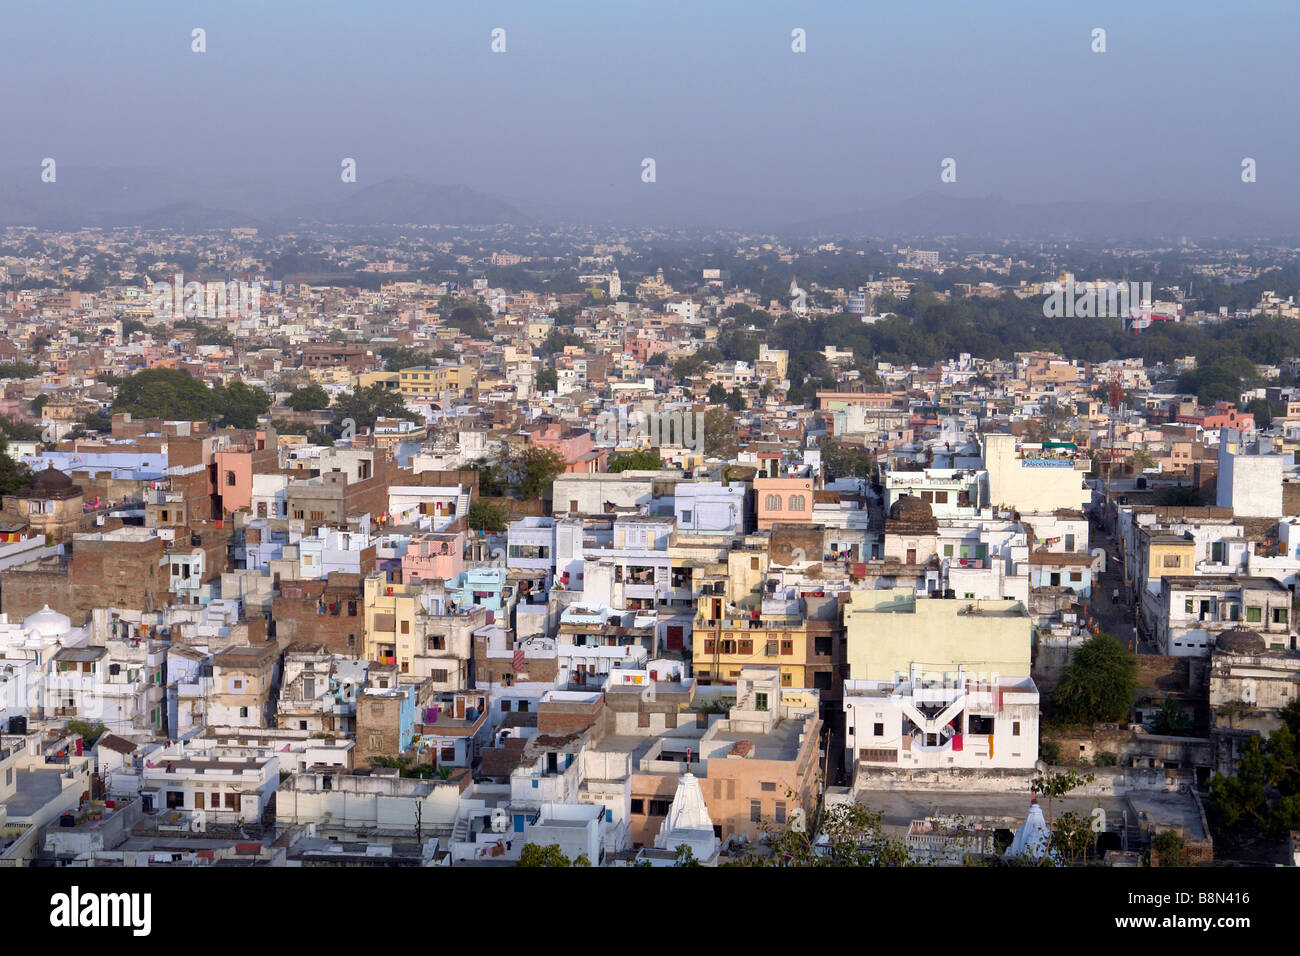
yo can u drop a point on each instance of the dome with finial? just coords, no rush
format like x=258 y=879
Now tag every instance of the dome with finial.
x=48 y=622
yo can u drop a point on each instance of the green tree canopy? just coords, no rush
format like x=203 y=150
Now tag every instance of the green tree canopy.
x=308 y=398
x=643 y=459
x=1098 y=684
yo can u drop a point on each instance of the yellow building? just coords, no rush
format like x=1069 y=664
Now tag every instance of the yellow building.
x=890 y=630
x=390 y=621
x=430 y=381
x=389 y=380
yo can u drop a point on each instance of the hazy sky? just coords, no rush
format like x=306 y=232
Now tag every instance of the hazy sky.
x=710 y=90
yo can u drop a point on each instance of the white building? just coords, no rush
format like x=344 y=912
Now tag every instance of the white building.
x=977 y=722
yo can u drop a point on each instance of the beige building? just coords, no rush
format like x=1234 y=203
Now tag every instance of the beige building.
x=888 y=631
x=1034 y=477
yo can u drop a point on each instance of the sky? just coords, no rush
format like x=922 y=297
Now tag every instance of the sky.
x=710 y=89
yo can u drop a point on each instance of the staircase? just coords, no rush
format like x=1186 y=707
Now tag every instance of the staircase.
x=460 y=830
x=462 y=505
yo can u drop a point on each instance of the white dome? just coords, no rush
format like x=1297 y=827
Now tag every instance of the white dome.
x=48 y=622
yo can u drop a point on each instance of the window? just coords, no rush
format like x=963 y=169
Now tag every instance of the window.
x=638 y=806
x=439 y=677
x=767 y=786
x=447 y=754
x=941 y=497
x=780 y=811
x=1173 y=561
x=406 y=627
x=878 y=730
x=772 y=503
x=230 y=478
x=755 y=811
x=760 y=701
x=1254 y=615
x=686 y=517
x=796 y=502
x=1189 y=606
x=243 y=712
x=787 y=647
x=659 y=808
x=947 y=551
x=1015 y=728
x=1279 y=615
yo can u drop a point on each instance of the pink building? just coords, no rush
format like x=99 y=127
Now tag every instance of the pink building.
x=575 y=445
x=783 y=500
x=434 y=557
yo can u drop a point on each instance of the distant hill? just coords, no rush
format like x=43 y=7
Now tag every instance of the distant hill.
x=410 y=201
x=93 y=196
x=933 y=214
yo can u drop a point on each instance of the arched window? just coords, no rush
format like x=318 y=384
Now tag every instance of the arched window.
x=230 y=477
x=796 y=503
x=773 y=502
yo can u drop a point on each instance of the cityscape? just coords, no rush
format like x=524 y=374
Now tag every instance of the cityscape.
x=409 y=519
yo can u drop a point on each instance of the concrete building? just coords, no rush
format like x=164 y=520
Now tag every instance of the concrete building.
x=888 y=631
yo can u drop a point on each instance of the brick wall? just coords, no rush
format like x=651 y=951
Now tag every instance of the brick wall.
x=568 y=717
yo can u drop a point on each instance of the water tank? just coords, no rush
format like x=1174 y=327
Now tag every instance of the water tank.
x=17 y=725
x=67 y=820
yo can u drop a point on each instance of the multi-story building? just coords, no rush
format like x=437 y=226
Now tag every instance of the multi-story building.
x=952 y=722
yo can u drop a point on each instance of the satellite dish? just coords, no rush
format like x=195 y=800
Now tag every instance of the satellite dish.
x=500 y=820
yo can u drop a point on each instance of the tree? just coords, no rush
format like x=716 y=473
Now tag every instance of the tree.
x=165 y=393
x=842 y=460
x=1262 y=409
x=720 y=434
x=14 y=475
x=547 y=380
x=1097 y=685
x=717 y=394
x=1170 y=849
x=1140 y=459
x=1172 y=720
x=534 y=854
x=240 y=405
x=19 y=370
x=558 y=340
x=486 y=516
x=39 y=402
x=88 y=732
x=644 y=459
x=736 y=400
x=1052 y=784
x=308 y=398
x=1264 y=795
x=367 y=405
x=534 y=470
x=849 y=835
